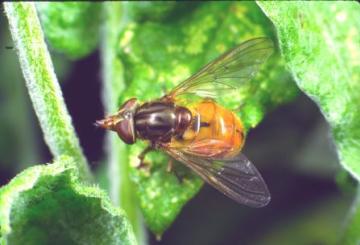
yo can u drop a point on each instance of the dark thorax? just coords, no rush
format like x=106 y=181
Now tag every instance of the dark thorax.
x=159 y=121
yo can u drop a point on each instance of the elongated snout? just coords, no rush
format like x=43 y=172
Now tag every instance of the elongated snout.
x=109 y=122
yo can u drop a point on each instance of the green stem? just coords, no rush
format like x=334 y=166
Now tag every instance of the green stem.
x=351 y=234
x=42 y=84
x=122 y=190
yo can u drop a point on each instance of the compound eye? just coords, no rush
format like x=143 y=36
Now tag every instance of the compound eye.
x=125 y=130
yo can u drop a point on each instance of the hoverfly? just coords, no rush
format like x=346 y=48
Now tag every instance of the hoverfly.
x=203 y=135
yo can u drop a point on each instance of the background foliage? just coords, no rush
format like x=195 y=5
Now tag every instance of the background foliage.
x=151 y=47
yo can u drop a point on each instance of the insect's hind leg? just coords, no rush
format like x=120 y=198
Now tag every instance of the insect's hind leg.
x=170 y=166
x=170 y=169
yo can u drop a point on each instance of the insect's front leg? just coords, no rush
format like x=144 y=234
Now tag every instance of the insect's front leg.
x=143 y=164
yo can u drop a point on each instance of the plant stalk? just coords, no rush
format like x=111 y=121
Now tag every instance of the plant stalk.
x=351 y=232
x=122 y=190
x=42 y=84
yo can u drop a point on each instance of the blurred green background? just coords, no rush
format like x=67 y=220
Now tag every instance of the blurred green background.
x=291 y=147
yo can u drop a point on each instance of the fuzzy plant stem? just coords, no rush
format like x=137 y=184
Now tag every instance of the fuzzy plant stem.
x=351 y=230
x=122 y=190
x=42 y=84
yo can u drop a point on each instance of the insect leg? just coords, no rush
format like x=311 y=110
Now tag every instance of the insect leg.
x=170 y=166
x=170 y=169
x=178 y=177
x=143 y=164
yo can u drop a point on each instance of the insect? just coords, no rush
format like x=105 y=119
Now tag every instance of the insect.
x=200 y=133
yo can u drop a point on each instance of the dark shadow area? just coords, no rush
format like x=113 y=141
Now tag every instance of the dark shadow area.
x=82 y=92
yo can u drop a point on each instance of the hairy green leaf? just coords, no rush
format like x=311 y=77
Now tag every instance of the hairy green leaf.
x=47 y=204
x=320 y=43
x=42 y=84
x=71 y=28
x=157 y=56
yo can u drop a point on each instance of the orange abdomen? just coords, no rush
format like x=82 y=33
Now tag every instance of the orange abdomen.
x=215 y=131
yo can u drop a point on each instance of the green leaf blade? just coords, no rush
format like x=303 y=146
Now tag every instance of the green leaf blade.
x=45 y=204
x=71 y=28
x=152 y=10
x=321 y=54
x=320 y=43
x=161 y=193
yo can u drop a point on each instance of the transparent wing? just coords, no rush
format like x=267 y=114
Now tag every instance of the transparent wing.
x=228 y=71
x=236 y=177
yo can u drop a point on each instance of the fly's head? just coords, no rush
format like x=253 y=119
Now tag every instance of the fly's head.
x=122 y=122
